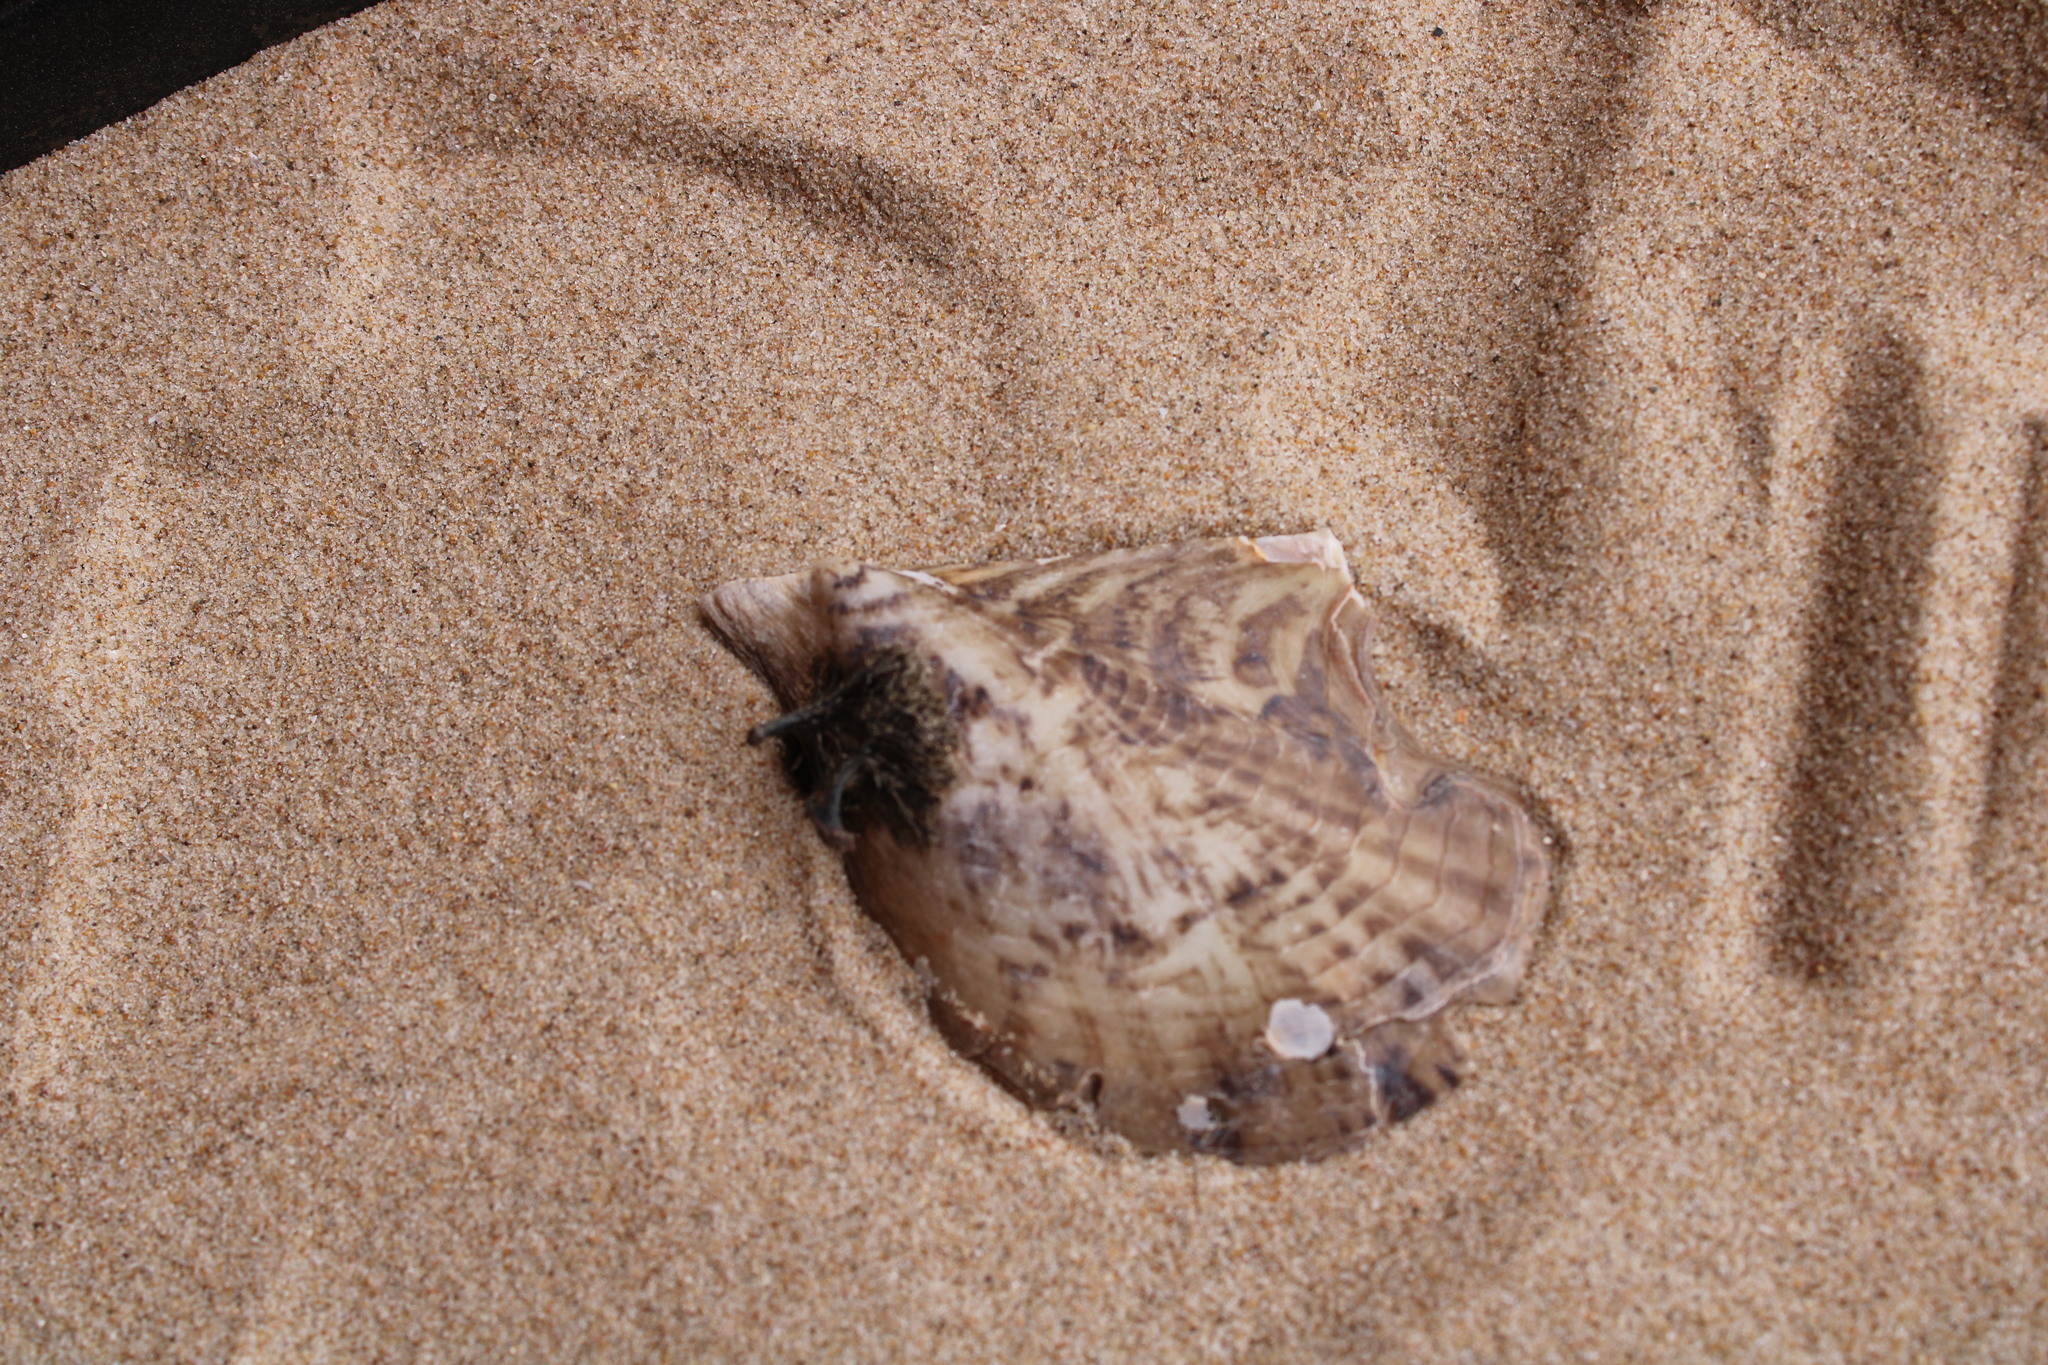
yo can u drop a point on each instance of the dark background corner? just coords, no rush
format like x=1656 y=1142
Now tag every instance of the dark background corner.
x=68 y=67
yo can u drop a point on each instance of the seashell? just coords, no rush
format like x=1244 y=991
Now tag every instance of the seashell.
x=1148 y=831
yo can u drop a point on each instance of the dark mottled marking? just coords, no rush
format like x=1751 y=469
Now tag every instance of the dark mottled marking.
x=1108 y=683
x=967 y=703
x=1405 y=1097
x=1252 y=664
x=1243 y=889
x=1311 y=727
x=1168 y=657
x=1126 y=935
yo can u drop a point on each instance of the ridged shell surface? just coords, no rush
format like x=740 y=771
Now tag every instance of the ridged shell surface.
x=1149 y=830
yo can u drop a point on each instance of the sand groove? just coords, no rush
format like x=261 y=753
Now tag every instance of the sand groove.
x=1853 y=821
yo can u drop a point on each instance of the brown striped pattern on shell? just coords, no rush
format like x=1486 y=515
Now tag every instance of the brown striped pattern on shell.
x=1177 y=799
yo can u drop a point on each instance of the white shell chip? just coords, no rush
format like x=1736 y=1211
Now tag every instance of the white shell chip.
x=1194 y=1115
x=1299 y=1031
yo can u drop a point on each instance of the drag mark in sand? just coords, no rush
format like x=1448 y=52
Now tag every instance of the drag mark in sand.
x=1854 y=805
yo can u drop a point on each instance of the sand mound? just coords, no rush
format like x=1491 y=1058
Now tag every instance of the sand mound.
x=404 y=958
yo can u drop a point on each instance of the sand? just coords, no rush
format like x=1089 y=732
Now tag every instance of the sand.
x=404 y=958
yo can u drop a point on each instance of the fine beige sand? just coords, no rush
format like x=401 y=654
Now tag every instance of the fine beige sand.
x=404 y=959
